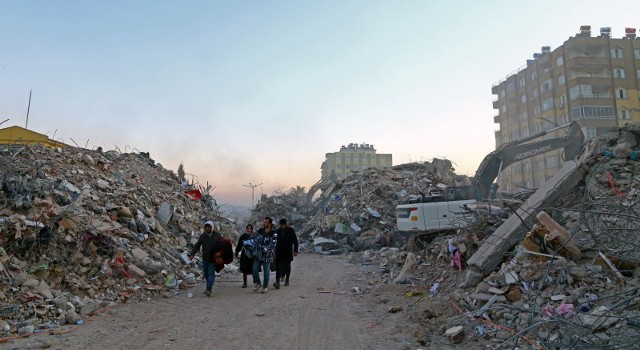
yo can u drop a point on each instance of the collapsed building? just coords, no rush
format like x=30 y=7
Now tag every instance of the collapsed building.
x=81 y=229
x=359 y=211
x=562 y=271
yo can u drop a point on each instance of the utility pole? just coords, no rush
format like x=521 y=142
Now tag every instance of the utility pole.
x=26 y=126
x=253 y=188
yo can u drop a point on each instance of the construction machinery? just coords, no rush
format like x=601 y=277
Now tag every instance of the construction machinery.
x=442 y=212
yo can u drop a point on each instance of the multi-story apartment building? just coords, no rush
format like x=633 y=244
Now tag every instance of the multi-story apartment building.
x=353 y=157
x=593 y=80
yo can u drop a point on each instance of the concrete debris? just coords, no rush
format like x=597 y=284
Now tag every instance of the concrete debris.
x=359 y=212
x=411 y=262
x=562 y=272
x=84 y=229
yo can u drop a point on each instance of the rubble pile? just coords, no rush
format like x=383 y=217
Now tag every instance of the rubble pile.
x=290 y=205
x=359 y=211
x=81 y=229
x=572 y=282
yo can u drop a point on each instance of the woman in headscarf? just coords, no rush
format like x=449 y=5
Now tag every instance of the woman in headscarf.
x=246 y=258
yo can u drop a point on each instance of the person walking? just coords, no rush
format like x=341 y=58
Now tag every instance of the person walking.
x=246 y=262
x=286 y=249
x=206 y=240
x=265 y=239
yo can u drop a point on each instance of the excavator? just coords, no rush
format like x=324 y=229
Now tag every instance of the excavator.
x=515 y=151
x=442 y=212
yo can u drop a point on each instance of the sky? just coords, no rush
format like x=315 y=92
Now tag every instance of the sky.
x=257 y=92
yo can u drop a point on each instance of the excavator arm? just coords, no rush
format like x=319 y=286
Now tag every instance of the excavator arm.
x=519 y=150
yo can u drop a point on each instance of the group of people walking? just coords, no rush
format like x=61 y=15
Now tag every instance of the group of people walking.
x=268 y=249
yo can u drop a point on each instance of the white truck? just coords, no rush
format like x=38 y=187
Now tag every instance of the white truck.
x=426 y=214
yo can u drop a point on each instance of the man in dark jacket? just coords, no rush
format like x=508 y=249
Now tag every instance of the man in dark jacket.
x=286 y=249
x=206 y=240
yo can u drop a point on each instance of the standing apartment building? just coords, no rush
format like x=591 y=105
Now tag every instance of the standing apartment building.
x=593 y=80
x=353 y=157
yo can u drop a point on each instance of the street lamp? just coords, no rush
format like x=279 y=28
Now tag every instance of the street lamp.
x=253 y=187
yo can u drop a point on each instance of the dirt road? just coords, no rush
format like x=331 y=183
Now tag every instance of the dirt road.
x=318 y=311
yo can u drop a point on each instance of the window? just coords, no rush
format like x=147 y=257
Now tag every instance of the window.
x=538 y=128
x=624 y=114
x=515 y=135
x=523 y=99
x=502 y=93
x=565 y=119
x=522 y=82
x=525 y=132
x=618 y=73
x=338 y=166
x=503 y=108
x=621 y=94
x=552 y=162
x=511 y=87
x=541 y=165
x=536 y=110
x=592 y=112
x=637 y=53
x=524 y=115
x=534 y=94
x=616 y=53
x=545 y=86
x=581 y=91
x=337 y=158
x=534 y=76
x=563 y=100
x=559 y=61
x=638 y=73
x=589 y=132
x=547 y=104
x=561 y=79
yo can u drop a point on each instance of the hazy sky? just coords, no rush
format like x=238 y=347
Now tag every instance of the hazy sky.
x=258 y=91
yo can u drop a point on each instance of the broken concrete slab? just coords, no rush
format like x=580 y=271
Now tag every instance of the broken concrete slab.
x=139 y=254
x=511 y=232
x=164 y=213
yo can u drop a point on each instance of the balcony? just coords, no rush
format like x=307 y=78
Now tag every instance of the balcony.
x=496 y=118
x=592 y=98
x=586 y=44
x=589 y=61
x=494 y=90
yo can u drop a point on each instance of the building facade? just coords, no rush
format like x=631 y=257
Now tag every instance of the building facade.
x=593 y=80
x=353 y=157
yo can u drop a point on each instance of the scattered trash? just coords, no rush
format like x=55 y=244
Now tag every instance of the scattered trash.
x=455 y=334
x=434 y=289
x=395 y=309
